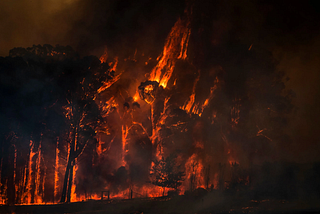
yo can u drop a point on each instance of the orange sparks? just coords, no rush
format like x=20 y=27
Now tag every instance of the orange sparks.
x=259 y=133
x=250 y=47
x=235 y=112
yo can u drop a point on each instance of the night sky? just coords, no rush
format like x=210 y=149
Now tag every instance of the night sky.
x=290 y=30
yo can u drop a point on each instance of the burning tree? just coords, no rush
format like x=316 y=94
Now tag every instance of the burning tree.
x=28 y=114
x=222 y=103
x=53 y=100
x=167 y=173
x=82 y=113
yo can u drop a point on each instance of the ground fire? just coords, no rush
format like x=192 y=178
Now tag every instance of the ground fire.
x=187 y=121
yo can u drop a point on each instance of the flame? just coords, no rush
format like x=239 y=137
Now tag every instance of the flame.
x=28 y=186
x=235 y=112
x=259 y=133
x=175 y=48
x=179 y=36
x=211 y=95
x=99 y=147
x=115 y=64
x=145 y=191
x=56 y=171
x=14 y=169
x=104 y=57
x=136 y=97
x=194 y=172
x=38 y=197
x=109 y=83
x=73 y=188
x=2 y=196
x=4 y=193
x=124 y=136
x=189 y=104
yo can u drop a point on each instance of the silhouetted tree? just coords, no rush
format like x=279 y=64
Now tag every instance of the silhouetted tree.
x=82 y=112
x=50 y=90
x=167 y=173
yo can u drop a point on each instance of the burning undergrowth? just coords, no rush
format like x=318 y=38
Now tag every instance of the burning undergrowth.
x=194 y=117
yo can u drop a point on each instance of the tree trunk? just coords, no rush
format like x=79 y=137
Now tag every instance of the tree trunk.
x=68 y=170
x=65 y=182
x=70 y=182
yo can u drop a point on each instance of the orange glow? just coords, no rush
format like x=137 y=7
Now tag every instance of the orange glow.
x=124 y=136
x=99 y=147
x=56 y=171
x=179 y=36
x=194 y=172
x=136 y=97
x=14 y=169
x=199 y=144
x=109 y=83
x=37 y=196
x=73 y=188
x=235 y=112
x=260 y=133
x=189 y=104
x=211 y=95
x=231 y=158
x=27 y=193
x=160 y=123
x=115 y=64
x=104 y=57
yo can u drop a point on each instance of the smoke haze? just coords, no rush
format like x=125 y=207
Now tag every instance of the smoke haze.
x=288 y=30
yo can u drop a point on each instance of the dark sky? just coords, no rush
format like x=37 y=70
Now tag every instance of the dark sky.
x=290 y=30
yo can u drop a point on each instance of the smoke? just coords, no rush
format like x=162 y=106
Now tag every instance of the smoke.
x=87 y=26
x=25 y=23
x=240 y=53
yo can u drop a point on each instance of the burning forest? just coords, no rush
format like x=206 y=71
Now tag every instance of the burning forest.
x=198 y=113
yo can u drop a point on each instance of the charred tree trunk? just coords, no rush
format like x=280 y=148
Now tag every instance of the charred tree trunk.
x=65 y=182
x=221 y=176
x=69 y=169
x=10 y=183
x=70 y=182
x=207 y=171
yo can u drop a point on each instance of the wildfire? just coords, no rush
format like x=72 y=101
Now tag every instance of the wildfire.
x=136 y=97
x=194 y=172
x=104 y=57
x=175 y=48
x=109 y=83
x=73 y=187
x=154 y=121
x=235 y=112
x=56 y=171
x=28 y=186
x=38 y=197
x=189 y=105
